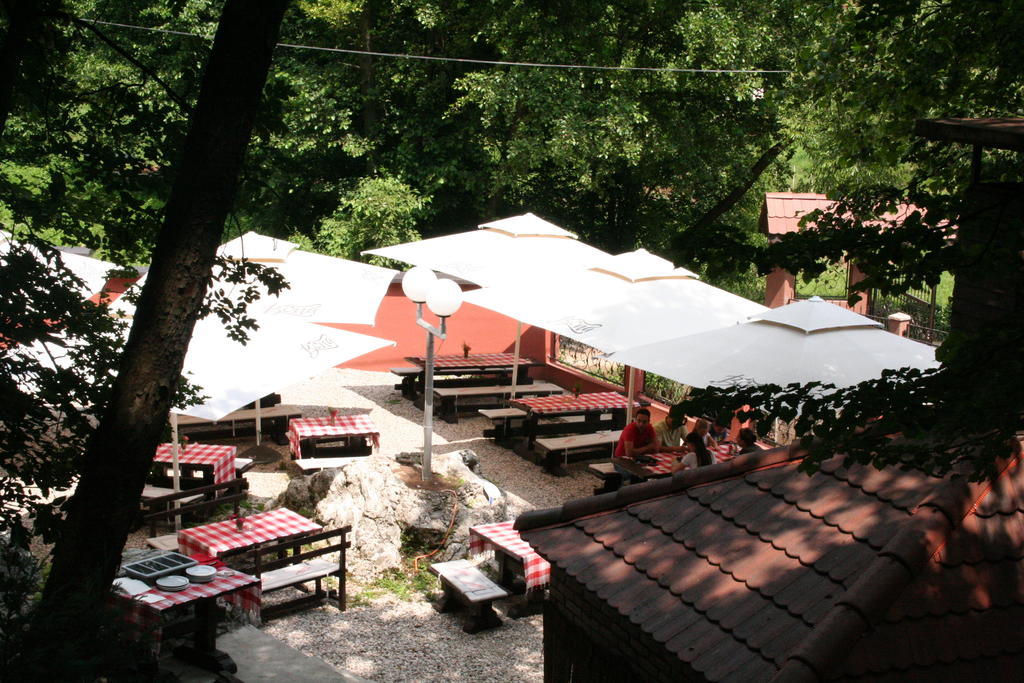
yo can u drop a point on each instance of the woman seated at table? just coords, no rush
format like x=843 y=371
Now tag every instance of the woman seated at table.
x=702 y=427
x=699 y=455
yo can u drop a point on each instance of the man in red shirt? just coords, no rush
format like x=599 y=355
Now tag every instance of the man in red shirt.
x=638 y=437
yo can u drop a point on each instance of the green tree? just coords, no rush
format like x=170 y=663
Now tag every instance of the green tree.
x=869 y=74
x=378 y=212
x=100 y=512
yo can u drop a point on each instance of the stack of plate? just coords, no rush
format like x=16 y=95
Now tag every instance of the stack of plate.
x=172 y=583
x=201 y=573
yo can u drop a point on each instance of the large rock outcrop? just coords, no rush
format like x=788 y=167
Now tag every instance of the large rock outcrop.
x=388 y=508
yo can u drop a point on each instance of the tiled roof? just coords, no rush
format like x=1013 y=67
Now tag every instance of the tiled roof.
x=751 y=569
x=782 y=211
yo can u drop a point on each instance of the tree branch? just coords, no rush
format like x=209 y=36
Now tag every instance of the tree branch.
x=138 y=65
x=731 y=199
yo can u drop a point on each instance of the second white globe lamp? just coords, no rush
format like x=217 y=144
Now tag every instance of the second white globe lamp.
x=444 y=298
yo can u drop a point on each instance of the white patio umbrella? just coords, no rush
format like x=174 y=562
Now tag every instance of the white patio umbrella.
x=275 y=356
x=617 y=302
x=806 y=341
x=321 y=288
x=620 y=301
x=507 y=250
x=92 y=271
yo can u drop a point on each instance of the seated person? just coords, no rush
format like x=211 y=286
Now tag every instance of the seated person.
x=671 y=431
x=638 y=438
x=702 y=428
x=719 y=430
x=747 y=440
x=699 y=455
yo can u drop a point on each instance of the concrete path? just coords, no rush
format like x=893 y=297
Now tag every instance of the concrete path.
x=261 y=658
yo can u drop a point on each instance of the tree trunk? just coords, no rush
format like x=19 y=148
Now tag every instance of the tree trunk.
x=120 y=454
x=368 y=83
x=23 y=18
x=731 y=199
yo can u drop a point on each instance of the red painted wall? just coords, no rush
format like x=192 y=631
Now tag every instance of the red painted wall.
x=484 y=331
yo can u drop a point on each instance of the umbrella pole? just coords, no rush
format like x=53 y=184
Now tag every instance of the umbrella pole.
x=175 y=468
x=515 y=360
x=630 y=388
x=258 y=427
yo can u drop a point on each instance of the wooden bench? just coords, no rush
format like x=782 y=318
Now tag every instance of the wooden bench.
x=308 y=465
x=409 y=376
x=273 y=421
x=168 y=506
x=413 y=378
x=610 y=477
x=463 y=584
x=447 y=398
x=288 y=564
x=243 y=465
x=575 y=447
x=504 y=421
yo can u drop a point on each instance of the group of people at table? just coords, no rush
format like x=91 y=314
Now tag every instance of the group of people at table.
x=692 y=449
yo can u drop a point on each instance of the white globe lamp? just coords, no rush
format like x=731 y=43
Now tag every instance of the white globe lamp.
x=444 y=298
x=416 y=283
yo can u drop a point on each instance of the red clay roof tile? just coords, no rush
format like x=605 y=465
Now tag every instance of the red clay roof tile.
x=765 y=570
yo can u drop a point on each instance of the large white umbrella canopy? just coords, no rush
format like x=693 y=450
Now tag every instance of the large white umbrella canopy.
x=321 y=288
x=617 y=302
x=92 y=271
x=275 y=357
x=802 y=342
x=507 y=250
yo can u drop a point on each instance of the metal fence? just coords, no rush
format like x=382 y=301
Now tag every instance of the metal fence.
x=587 y=359
x=781 y=433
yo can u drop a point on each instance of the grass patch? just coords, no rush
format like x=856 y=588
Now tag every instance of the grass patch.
x=404 y=584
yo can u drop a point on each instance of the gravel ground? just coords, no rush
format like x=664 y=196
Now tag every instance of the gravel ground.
x=390 y=639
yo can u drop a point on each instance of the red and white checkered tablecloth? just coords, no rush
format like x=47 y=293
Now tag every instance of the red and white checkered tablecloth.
x=663 y=464
x=239 y=589
x=474 y=360
x=219 y=537
x=725 y=451
x=502 y=536
x=565 y=403
x=340 y=425
x=222 y=458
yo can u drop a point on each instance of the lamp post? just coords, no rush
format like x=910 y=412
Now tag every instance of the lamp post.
x=443 y=298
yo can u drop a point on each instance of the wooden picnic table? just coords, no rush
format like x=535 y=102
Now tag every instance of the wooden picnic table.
x=358 y=432
x=515 y=556
x=215 y=463
x=224 y=538
x=662 y=465
x=488 y=368
x=146 y=612
x=592 y=406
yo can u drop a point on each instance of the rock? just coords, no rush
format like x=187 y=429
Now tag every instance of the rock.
x=370 y=495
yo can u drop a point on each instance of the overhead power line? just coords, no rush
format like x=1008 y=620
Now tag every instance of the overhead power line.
x=490 y=62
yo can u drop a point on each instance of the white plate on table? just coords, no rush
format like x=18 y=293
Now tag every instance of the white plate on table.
x=172 y=583
x=201 y=573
